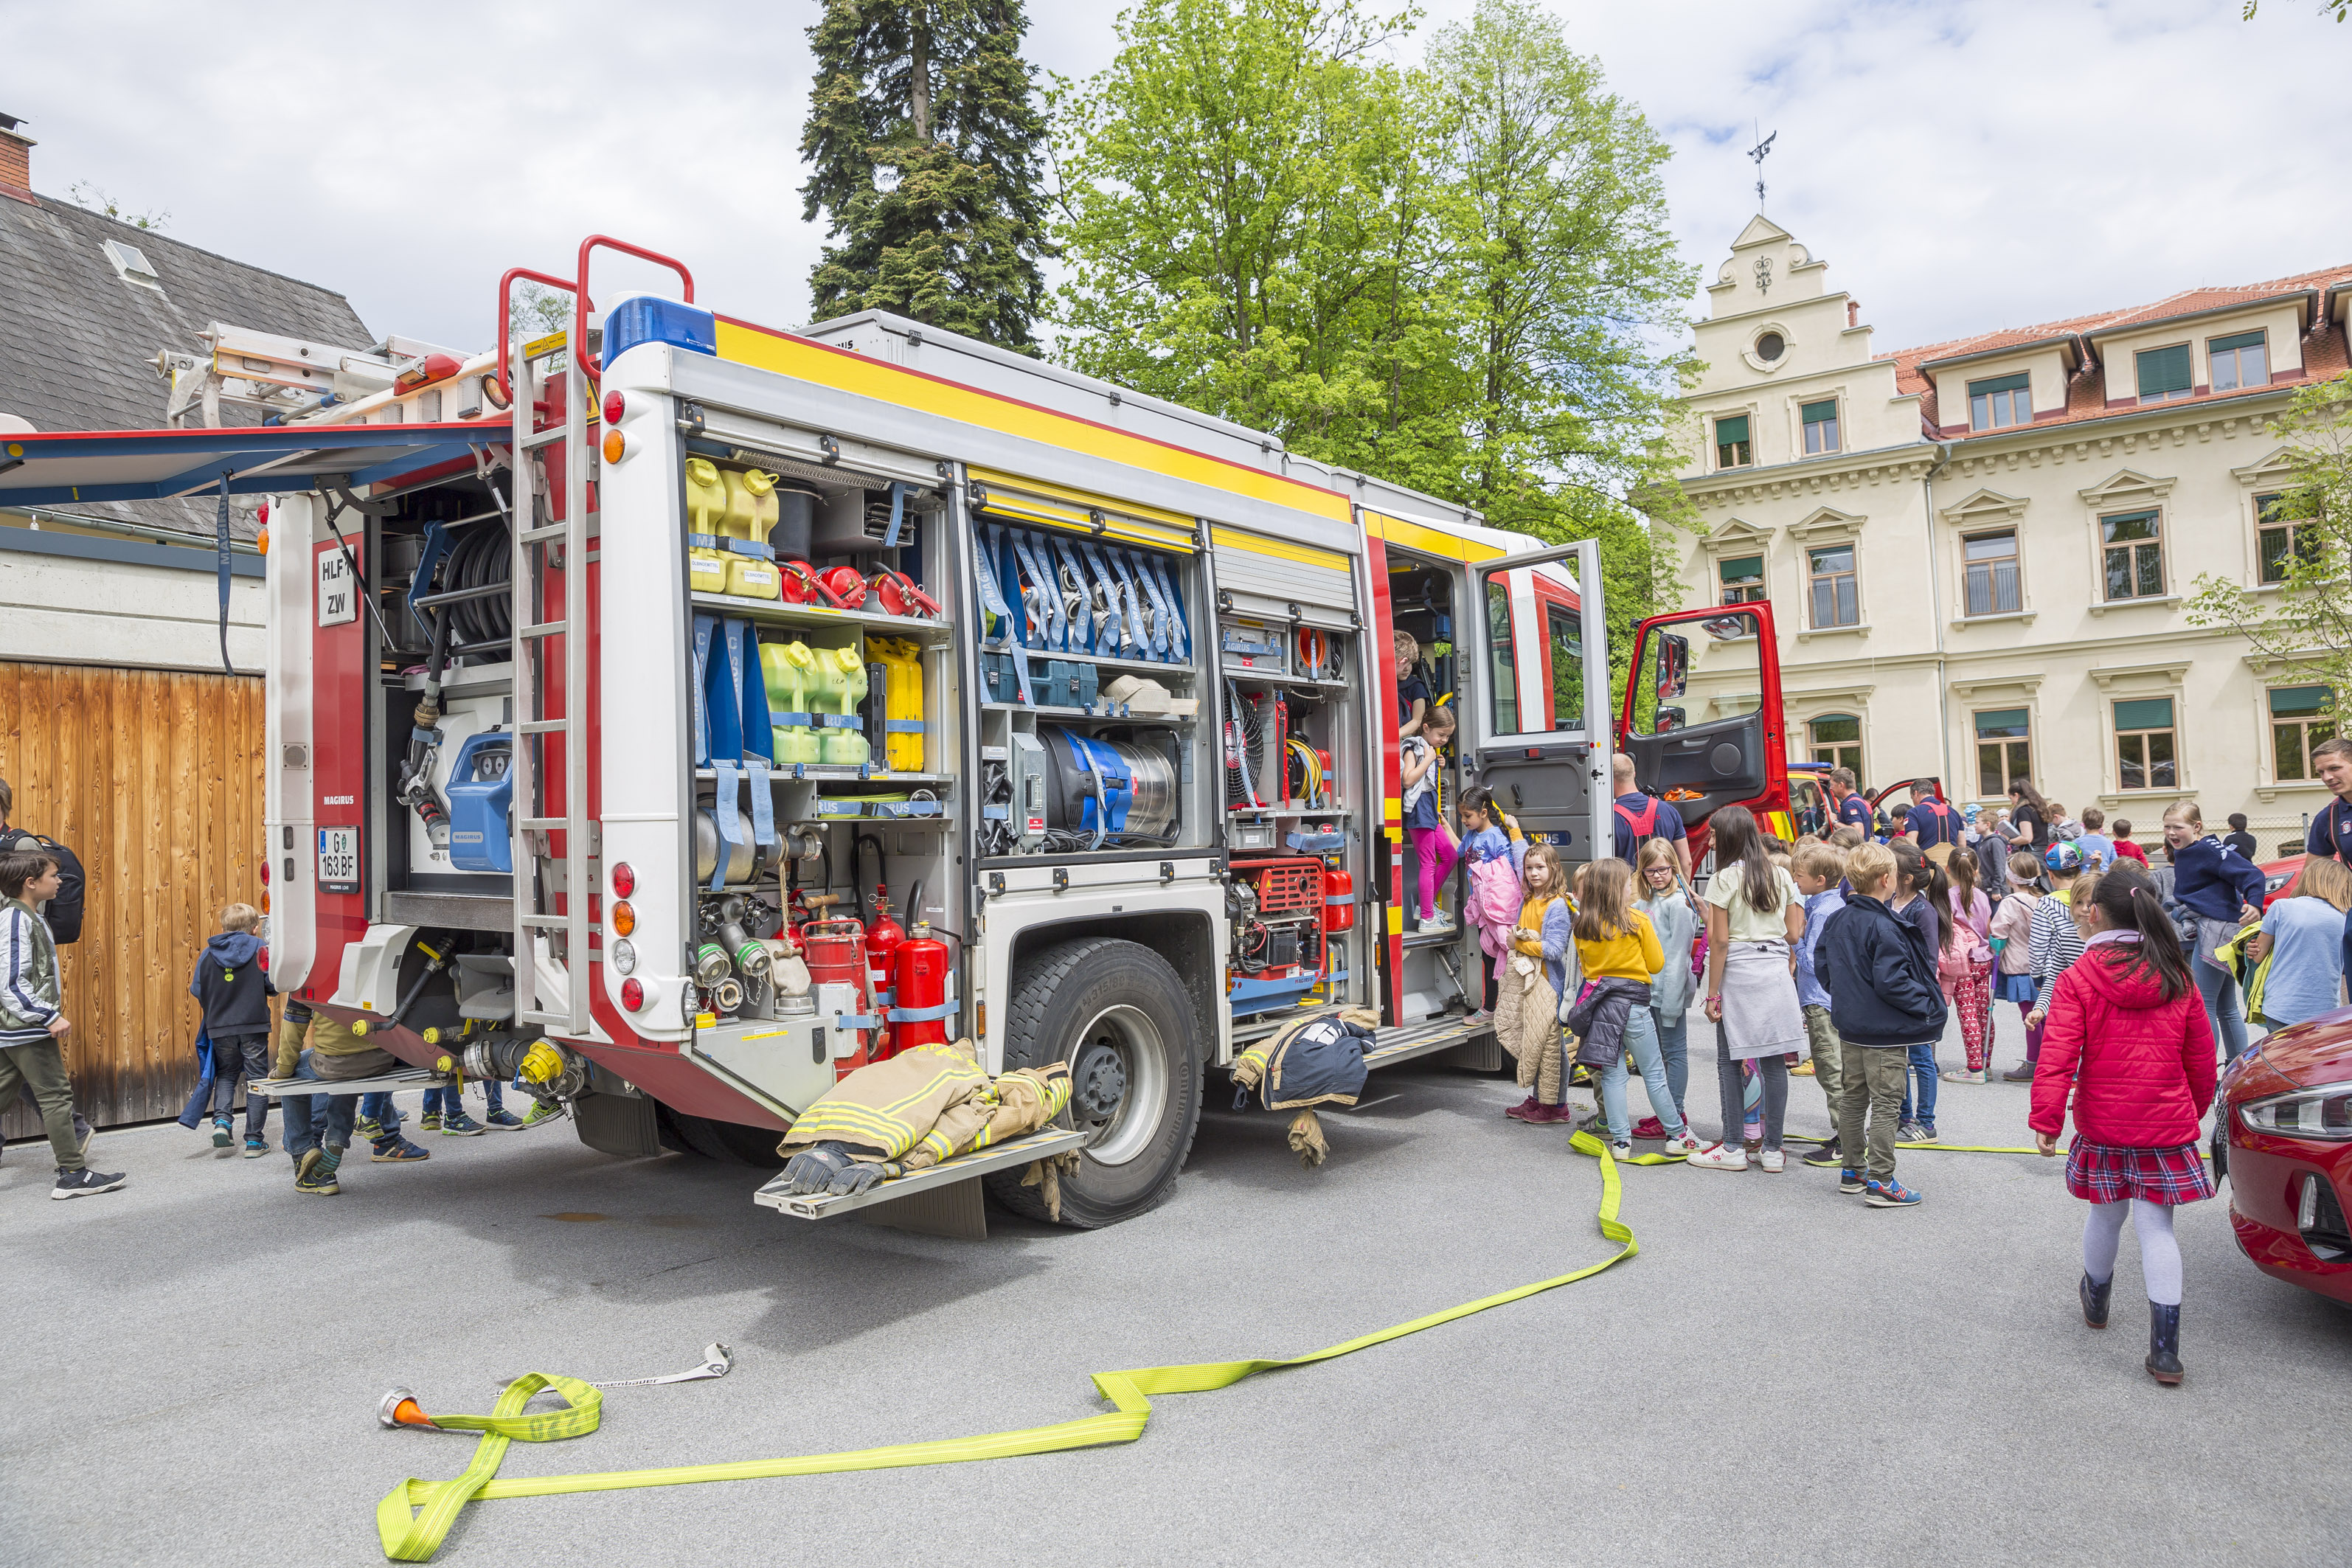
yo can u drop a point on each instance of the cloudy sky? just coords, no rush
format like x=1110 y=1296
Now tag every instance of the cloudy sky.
x=1961 y=165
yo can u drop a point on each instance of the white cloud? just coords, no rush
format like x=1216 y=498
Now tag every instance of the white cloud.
x=1959 y=167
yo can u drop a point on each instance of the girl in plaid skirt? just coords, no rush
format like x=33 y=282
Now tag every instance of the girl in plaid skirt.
x=2128 y=1035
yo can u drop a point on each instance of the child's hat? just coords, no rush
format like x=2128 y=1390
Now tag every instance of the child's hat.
x=2063 y=856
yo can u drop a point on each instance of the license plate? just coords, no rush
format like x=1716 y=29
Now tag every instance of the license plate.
x=339 y=859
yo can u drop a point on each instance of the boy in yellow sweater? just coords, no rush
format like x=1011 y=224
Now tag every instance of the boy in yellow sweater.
x=1615 y=941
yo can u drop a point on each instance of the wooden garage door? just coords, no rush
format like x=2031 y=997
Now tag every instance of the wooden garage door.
x=154 y=779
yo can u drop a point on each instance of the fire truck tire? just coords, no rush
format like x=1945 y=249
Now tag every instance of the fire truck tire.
x=732 y=1142
x=1117 y=1014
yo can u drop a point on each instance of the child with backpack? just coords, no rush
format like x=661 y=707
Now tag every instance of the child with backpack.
x=33 y=1018
x=2127 y=1038
x=1617 y=947
x=232 y=982
x=2013 y=946
x=1884 y=1002
x=1425 y=820
x=1672 y=909
x=1492 y=848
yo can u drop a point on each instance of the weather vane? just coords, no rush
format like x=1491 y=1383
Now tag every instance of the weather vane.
x=1758 y=154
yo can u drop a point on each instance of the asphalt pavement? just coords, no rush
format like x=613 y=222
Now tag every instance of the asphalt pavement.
x=1780 y=1376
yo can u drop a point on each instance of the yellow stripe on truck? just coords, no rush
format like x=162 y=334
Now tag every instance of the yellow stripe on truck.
x=1259 y=545
x=1428 y=540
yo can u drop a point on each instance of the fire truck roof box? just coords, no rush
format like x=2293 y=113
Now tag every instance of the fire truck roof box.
x=967 y=362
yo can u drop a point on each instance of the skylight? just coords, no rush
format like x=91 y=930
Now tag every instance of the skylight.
x=131 y=264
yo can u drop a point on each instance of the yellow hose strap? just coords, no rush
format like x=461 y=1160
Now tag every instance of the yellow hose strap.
x=414 y=1536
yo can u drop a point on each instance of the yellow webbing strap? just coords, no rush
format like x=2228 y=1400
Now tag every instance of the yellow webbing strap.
x=414 y=1536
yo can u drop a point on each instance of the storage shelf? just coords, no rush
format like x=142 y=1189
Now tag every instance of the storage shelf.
x=1241 y=677
x=1141 y=666
x=1289 y=809
x=775 y=612
x=1045 y=712
x=838 y=772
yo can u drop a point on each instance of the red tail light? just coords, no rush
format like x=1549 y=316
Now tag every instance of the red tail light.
x=615 y=406
x=633 y=994
x=625 y=878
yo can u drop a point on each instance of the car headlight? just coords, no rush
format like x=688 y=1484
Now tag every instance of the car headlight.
x=624 y=956
x=2323 y=1113
x=2276 y=880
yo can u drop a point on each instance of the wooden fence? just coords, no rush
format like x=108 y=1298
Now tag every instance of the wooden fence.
x=153 y=778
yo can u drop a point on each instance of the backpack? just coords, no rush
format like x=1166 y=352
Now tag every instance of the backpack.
x=64 y=911
x=1495 y=897
x=1644 y=827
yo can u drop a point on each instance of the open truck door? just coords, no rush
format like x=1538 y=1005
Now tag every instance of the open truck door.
x=1536 y=716
x=1702 y=720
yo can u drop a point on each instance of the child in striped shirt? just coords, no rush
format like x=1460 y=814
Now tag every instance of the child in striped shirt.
x=2056 y=941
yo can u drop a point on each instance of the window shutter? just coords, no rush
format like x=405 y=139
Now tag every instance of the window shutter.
x=2164 y=370
x=2297 y=701
x=2017 y=383
x=2148 y=714
x=1746 y=569
x=2236 y=340
x=1819 y=413
x=1729 y=430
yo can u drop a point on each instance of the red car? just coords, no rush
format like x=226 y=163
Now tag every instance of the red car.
x=2287 y=1108
x=2278 y=878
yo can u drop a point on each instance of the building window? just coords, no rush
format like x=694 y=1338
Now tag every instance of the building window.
x=1731 y=447
x=1743 y=580
x=1998 y=403
x=1832 y=575
x=2004 y=753
x=2283 y=533
x=1770 y=347
x=2298 y=722
x=2145 y=749
x=2239 y=361
x=1992 y=579
x=1836 y=739
x=2134 y=547
x=2164 y=373
x=1820 y=426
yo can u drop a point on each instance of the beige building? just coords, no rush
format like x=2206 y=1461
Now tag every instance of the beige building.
x=1977 y=553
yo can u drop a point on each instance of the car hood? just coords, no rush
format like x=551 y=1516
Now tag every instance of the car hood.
x=2318 y=1051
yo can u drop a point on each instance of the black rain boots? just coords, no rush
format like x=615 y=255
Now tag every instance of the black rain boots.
x=2095 y=1300
x=2164 y=1343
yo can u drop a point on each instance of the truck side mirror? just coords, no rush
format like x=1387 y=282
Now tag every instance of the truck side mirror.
x=1673 y=665
x=1671 y=719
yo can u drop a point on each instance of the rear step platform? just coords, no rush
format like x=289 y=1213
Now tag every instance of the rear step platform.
x=945 y=1197
x=1406 y=1041
x=383 y=1083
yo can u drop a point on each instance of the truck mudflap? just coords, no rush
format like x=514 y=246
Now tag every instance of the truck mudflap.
x=1038 y=1145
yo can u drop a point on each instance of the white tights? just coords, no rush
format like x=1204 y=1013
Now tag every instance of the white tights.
x=2159 y=1254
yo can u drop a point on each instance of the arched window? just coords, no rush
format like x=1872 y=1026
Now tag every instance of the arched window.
x=1836 y=739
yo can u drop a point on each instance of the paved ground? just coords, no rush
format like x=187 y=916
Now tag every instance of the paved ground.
x=1779 y=1377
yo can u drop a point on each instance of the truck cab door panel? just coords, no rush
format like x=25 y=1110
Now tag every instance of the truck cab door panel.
x=1721 y=668
x=1702 y=768
x=1536 y=710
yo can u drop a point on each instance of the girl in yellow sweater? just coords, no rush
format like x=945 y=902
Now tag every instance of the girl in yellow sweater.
x=1615 y=941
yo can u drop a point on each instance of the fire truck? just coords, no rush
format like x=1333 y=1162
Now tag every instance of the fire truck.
x=674 y=714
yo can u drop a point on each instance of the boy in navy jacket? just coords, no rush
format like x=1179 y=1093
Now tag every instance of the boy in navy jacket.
x=1880 y=972
x=232 y=980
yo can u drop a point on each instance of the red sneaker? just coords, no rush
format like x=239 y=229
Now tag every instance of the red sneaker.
x=1525 y=1110
x=1550 y=1113
x=1649 y=1127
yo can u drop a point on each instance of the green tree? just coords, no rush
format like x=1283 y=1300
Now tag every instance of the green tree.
x=925 y=141
x=2306 y=625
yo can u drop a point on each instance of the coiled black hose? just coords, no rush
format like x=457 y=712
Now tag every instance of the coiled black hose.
x=481 y=555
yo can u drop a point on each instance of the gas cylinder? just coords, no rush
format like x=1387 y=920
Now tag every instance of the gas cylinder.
x=706 y=523
x=790 y=671
x=834 y=951
x=847 y=584
x=883 y=936
x=1339 y=900
x=750 y=512
x=840 y=687
x=920 y=968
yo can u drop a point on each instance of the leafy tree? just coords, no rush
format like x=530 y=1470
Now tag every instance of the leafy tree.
x=925 y=141
x=2305 y=626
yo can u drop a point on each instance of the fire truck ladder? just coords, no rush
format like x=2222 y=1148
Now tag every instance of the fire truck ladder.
x=538 y=547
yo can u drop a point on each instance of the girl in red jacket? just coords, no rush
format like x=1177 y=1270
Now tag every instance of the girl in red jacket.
x=2127 y=1033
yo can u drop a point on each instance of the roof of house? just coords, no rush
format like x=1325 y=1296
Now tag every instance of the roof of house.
x=2324 y=354
x=77 y=342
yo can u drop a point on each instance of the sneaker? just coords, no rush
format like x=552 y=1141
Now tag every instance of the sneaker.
x=1774 y=1161
x=1620 y=1150
x=1803 y=1070
x=543 y=1110
x=1889 y=1194
x=2022 y=1073
x=1649 y=1127
x=1827 y=1155
x=429 y=1123
x=1719 y=1157
x=1683 y=1144
x=1928 y=1133
x=1551 y=1115
x=1478 y=1016
x=1595 y=1121
x=1851 y=1180
x=315 y=1173
x=1910 y=1132
x=82 y=1184
x=457 y=1124
x=1441 y=921
x=396 y=1149
x=1963 y=1075
x=368 y=1127
x=504 y=1120
x=255 y=1147
x=222 y=1136
x=1525 y=1108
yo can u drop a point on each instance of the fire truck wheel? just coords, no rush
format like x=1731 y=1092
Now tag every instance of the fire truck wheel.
x=728 y=1140
x=1116 y=1013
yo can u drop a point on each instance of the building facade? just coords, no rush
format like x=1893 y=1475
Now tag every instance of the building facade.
x=1978 y=554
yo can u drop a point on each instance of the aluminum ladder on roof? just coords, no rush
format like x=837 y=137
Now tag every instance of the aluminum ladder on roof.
x=539 y=547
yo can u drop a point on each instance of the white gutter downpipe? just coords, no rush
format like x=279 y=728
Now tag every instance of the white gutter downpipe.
x=1935 y=597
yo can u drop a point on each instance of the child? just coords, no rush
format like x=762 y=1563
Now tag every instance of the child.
x=2098 y=849
x=33 y=1019
x=1412 y=692
x=1920 y=898
x=1492 y=848
x=1883 y=1001
x=1754 y=920
x=1616 y=942
x=232 y=982
x=1526 y=1007
x=1820 y=869
x=2125 y=848
x=1966 y=966
x=2054 y=943
x=1672 y=911
x=1991 y=850
x=2013 y=946
x=2219 y=890
x=1433 y=842
x=2303 y=937
x=2128 y=1036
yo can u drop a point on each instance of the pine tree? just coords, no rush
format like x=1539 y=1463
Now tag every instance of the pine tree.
x=925 y=143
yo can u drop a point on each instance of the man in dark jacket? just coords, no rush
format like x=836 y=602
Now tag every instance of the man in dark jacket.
x=1884 y=999
x=232 y=981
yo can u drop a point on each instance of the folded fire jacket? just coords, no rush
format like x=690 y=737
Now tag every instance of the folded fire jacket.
x=927 y=1105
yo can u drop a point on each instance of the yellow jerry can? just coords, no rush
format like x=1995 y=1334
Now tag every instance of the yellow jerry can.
x=750 y=512
x=706 y=520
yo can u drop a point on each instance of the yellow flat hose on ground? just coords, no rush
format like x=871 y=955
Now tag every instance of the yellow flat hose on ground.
x=415 y=1516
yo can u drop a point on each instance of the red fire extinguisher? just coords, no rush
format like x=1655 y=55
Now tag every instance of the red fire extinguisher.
x=834 y=951
x=922 y=972
x=883 y=936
